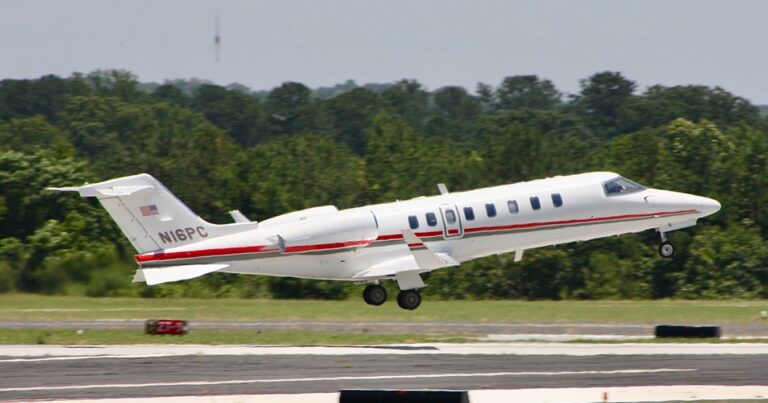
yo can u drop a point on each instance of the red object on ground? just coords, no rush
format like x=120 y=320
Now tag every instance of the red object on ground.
x=167 y=326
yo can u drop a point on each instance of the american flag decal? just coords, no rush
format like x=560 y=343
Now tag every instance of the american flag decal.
x=149 y=210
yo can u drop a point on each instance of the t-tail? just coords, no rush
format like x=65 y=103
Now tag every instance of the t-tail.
x=150 y=216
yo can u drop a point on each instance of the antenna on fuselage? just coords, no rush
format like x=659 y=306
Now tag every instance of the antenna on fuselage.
x=442 y=188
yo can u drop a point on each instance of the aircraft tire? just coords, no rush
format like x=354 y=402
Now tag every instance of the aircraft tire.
x=666 y=249
x=375 y=294
x=409 y=299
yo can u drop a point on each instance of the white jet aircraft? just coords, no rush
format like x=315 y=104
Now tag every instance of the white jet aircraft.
x=398 y=240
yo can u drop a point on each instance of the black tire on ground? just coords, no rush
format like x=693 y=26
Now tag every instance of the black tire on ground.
x=662 y=331
x=409 y=299
x=375 y=294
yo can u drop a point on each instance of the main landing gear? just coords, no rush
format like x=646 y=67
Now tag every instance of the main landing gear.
x=409 y=299
x=665 y=249
x=375 y=294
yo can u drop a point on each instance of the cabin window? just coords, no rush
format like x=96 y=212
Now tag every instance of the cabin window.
x=490 y=209
x=450 y=216
x=431 y=219
x=535 y=203
x=413 y=221
x=621 y=186
x=512 y=206
x=557 y=200
x=469 y=214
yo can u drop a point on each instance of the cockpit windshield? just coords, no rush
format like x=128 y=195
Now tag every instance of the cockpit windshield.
x=621 y=186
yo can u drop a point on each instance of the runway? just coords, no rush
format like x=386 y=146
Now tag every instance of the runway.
x=394 y=327
x=95 y=372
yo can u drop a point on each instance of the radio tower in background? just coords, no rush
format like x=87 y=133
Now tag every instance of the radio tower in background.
x=217 y=39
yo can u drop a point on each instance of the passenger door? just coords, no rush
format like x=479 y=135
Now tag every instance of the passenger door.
x=451 y=221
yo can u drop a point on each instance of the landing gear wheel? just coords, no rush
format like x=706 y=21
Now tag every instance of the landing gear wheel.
x=409 y=299
x=666 y=249
x=375 y=294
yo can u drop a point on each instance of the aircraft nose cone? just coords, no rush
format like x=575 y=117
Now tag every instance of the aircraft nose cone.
x=709 y=206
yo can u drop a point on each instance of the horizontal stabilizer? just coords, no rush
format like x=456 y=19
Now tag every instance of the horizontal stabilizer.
x=122 y=190
x=65 y=189
x=102 y=192
x=174 y=273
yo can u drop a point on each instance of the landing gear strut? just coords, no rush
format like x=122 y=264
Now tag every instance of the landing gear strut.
x=375 y=294
x=665 y=249
x=409 y=299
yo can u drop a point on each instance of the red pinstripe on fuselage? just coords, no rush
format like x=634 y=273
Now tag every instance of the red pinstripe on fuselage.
x=256 y=250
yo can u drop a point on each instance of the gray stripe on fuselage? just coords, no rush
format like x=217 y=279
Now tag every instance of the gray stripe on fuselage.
x=378 y=244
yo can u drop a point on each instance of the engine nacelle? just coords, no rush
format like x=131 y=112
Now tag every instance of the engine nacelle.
x=294 y=216
x=340 y=230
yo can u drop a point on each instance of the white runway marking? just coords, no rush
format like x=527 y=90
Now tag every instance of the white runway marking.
x=346 y=378
x=136 y=351
x=561 y=337
x=83 y=357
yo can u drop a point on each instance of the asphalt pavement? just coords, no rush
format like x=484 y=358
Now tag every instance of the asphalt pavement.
x=80 y=373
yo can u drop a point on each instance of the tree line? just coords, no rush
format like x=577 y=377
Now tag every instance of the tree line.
x=270 y=152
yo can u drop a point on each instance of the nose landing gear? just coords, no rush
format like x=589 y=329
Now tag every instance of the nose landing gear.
x=665 y=249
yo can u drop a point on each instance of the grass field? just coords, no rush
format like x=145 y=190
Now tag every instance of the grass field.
x=21 y=307
x=36 y=307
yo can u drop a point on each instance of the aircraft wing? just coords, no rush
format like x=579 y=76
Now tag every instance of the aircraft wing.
x=421 y=259
x=174 y=273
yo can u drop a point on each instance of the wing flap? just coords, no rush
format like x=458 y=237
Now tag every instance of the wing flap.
x=175 y=273
x=388 y=268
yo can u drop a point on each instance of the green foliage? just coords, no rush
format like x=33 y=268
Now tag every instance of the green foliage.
x=455 y=115
x=353 y=112
x=603 y=95
x=29 y=135
x=526 y=92
x=726 y=263
x=294 y=173
x=176 y=145
x=237 y=113
x=409 y=100
x=294 y=288
x=271 y=152
x=402 y=164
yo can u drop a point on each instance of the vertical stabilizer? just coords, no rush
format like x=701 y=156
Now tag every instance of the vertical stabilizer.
x=149 y=215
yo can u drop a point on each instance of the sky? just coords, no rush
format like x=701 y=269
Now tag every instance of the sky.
x=438 y=42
